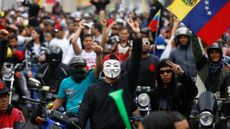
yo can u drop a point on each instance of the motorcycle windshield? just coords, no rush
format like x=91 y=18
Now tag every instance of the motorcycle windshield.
x=207 y=101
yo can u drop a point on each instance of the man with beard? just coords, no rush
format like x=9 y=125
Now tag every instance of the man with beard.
x=175 y=91
x=182 y=54
x=73 y=88
x=97 y=105
x=148 y=67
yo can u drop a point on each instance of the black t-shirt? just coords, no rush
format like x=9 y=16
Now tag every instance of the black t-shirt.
x=148 y=71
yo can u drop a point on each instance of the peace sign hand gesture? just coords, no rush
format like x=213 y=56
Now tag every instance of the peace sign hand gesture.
x=175 y=67
x=134 y=25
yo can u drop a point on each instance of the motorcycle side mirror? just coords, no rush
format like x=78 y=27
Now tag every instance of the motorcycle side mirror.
x=34 y=83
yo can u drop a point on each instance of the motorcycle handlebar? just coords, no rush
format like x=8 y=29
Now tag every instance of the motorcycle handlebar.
x=31 y=100
x=18 y=66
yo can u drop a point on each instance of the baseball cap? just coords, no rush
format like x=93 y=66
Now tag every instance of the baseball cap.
x=3 y=88
x=111 y=56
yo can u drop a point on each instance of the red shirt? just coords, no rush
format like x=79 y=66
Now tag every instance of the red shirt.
x=8 y=120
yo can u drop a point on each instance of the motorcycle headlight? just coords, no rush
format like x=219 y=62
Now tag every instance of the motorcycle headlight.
x=206 y=118
x=45 y=88
x=143 y=99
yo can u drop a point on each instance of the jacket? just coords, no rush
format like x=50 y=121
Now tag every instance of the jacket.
x=100 y=108
x=52 y=76
x=178 y=96
x=8 y=120
x=183 y=56
x=221 y=81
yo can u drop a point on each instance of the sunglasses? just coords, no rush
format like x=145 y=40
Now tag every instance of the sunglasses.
x=146 y=43
x=165 y=71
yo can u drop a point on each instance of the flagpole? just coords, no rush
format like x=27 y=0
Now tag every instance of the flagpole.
x=158 y=24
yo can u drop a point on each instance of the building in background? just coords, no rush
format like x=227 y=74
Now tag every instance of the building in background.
x=72 y=5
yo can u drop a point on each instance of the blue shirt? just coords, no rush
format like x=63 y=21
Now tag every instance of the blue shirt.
x=73 y=92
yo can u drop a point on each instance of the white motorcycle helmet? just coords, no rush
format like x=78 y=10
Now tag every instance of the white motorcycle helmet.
x=182 y=31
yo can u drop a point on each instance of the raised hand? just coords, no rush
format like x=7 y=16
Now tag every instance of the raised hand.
x=3 y=33
x=97 y=48
x=81 y=26
x=175 y=67
x=103 y=22
x=134 y=25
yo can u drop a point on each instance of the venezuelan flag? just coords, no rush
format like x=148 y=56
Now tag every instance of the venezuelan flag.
x=155 y=22
x=208 y=19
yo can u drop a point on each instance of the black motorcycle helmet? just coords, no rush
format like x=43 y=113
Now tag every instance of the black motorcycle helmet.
x=215 y=46
x=78 y=69
x=54 y=55
x=77 y=61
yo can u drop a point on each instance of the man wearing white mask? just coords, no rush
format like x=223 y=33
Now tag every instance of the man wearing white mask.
x=97 y=105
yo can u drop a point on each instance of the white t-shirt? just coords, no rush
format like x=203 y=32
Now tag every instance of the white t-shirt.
x=70 y=54
x=90 y=58
x=98 y=39
x=63 y=44
x=37 y=49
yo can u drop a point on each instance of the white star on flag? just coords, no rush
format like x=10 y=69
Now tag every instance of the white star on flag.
x=209 y=13
x=206 y=8
x=206 y=2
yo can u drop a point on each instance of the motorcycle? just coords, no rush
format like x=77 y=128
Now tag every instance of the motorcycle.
x=143 y=99
x=46 y=118
x=209 y=112
x=16 y=81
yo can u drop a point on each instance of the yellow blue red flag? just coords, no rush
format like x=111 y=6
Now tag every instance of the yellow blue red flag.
x=208 y=19
x=154 y=23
